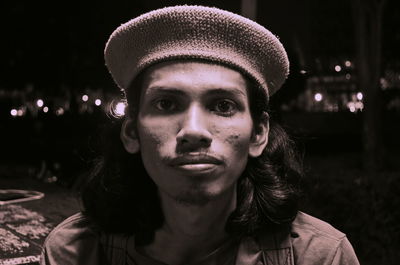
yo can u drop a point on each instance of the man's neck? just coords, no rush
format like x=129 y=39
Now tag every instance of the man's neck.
x=190 y=232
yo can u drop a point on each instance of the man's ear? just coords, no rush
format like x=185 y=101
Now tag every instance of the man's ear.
x=259 y=140
x=128 y=136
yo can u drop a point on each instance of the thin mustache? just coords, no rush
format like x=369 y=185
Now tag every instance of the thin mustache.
x=194 y=159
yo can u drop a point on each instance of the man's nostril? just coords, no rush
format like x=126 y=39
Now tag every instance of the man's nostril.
x=204 y=140
x=193 y=141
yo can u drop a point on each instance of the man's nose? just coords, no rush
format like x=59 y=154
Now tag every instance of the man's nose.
x=194 y=131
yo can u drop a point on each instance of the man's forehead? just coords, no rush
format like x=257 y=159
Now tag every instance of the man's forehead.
x=206 y=91
x=193 y=75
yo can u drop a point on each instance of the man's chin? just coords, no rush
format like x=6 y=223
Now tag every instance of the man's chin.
x=195 y=198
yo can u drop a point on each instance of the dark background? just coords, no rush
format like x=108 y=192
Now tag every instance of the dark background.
x=62 y=42
x=54 y=51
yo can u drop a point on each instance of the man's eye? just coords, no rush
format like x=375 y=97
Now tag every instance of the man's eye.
x=165 y=105
x=225 y=106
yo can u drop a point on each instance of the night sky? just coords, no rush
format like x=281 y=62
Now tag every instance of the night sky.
x=62 y=42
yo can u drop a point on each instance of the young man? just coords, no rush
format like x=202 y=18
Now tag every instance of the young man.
x=200 y=174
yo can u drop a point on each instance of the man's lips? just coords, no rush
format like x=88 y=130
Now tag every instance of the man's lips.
x=194 y=160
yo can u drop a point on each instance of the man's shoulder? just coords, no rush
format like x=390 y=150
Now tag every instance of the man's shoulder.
x=317 y=242
x=73 y=241
x=77 y=225
x=309 y=226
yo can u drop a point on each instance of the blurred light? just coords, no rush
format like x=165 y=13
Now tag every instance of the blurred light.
x=318 y=97
x=359 y=105
x=59 y=111
x=303 y=72
x=39 y=103
x=50 y=179
x=360 y=96
x=384 y=83
x=347 y=63
x=20 y=112
x=85 y=98
x=338 y=68
x=120 y=109
x=97 y=102
x=348 y=76
x=45 y=109
x=14 y=112
x=351 y=106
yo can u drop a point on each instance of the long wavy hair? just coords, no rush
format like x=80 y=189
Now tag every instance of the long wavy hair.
x=120 y=197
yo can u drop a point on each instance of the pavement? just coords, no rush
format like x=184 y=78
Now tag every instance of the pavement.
x=25 y=225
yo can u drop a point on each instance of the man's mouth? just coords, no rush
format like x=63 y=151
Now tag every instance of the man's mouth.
x=195 y=162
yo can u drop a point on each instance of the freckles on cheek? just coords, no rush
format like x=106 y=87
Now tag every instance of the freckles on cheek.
x=236 y=139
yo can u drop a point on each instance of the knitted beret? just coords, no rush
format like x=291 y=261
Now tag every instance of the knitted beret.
x=196 y=32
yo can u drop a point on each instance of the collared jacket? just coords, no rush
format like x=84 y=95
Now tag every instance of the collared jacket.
x=310 y=241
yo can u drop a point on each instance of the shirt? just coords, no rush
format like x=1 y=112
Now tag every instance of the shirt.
x=310 y=242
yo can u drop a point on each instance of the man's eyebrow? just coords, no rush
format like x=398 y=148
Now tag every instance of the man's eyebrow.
x=165 y=90
x=227 y=91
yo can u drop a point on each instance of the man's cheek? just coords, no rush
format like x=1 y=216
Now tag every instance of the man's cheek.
x=153 y=132
x=237 y=140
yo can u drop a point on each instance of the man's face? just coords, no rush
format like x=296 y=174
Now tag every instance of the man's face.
x=194 y=128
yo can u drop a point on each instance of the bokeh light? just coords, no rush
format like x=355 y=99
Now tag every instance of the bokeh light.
x=120 y=109
x=97 y=102
x=39 y=103
x=59 y=111
x=85 y=98
x=359 y=105
x=338 y=68
x=318 y=97
x=351 y=106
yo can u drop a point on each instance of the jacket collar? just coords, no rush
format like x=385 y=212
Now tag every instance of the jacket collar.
x=269 y=248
